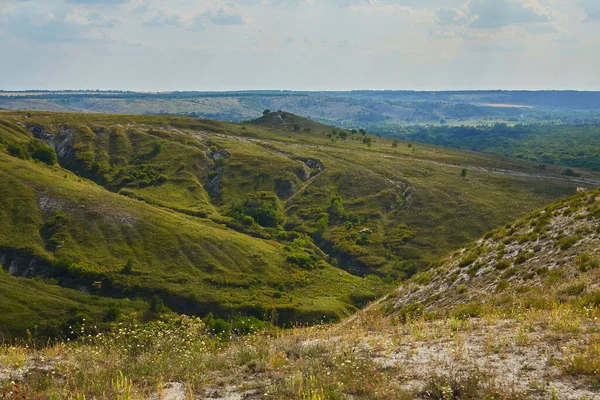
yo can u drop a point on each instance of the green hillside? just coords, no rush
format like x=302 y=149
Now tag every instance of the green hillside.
x=549 y=256
x=282 y=218
x=513 y=315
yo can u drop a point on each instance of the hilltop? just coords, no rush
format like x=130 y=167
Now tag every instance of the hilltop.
x=514 y=315
x=290 y=223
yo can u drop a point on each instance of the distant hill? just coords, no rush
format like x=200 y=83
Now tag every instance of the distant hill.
x=377 y=111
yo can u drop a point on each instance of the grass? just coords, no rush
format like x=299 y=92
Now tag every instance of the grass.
x=194 y=265
x=368 y=357
x=159 y=191
x=536 y=338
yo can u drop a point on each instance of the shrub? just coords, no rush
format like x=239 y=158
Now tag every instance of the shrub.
x=423 y=279
x=567 y=242
x=521 y=258
x=472 y=271
x=302 y=260
x=502 y=286
x=570 y=172
x=470 y=310
x=113 y=312
x=322 y=222
x=128 y=268
x=463 y=172
x=468 y=260
x=157 y=305
x=247 y=325
x=336 y=207
x=574 y=290
x=17 y=151
x=410 y=312
x=501 y=265
x=262 y=207
x=156 y=149
x=219 y=327
x=44 y=153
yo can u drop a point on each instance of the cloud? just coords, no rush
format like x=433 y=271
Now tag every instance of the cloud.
x=163 y=20
x=494 y=14
x=592 y=10
x=226 y=17
x=566 y=38
x=93 y=19
x=36 y=24
x=450 y=16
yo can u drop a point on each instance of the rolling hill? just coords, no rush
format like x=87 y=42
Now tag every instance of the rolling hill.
x=513 y=315
x=283 y=218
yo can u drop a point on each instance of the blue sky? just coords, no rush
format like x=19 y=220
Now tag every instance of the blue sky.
x=159 y=45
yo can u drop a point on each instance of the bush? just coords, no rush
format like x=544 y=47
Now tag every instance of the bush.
x=128 y=268
x=218 y=326
x=44 y=153
x=302 y=260
x=501 y=265
x=468 y=260
x=157 y=305
x=521 y=258
x=410 y=312
x=113 y=312
x=336 y=207
x=470 y=310
x=568 y=242
x=502 y=286
x=247 y=325
x=570 y=172
x=17 y=151
x=262 y=207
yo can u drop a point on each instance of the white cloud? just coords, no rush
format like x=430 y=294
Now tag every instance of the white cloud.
x=493 y=14
x=592 y=9
x=450 y=16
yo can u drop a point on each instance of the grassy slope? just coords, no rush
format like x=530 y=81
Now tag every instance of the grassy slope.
x=438 y=337
x=30 y=304
x=381 y=187
x=194 y=265
x=413 y=200
x=551 y=255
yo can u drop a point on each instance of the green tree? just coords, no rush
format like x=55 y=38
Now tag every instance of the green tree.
x=337 y=207
x=157 y=304
x=395 y=143
x=322 y=222
x=267 y=112
x=463 y=172
x=128 y=268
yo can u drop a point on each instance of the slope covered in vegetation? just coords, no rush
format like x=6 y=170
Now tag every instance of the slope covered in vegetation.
x=281 y=219
x=454 y=332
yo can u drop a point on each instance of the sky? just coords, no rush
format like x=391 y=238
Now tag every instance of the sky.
x=213 y=45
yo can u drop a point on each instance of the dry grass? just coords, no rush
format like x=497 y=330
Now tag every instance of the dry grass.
x=531 y=353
